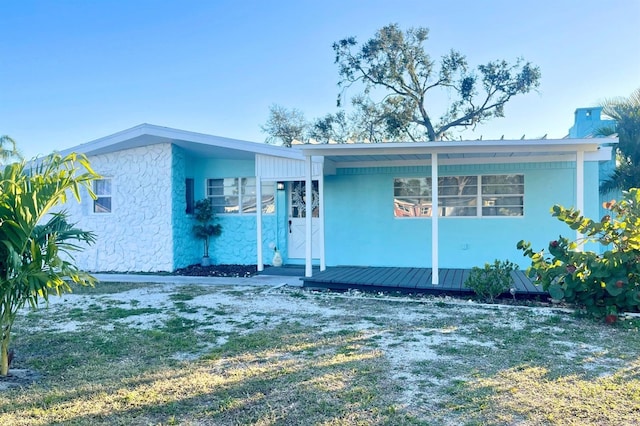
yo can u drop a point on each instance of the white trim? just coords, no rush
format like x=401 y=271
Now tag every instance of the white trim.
x=308 y=270
x=149 y=134
x=603 y=154
x=452 y=147
x=285 y=169
x=323 y=263
x=580 y=191
x=435 y=275
x=259 y=221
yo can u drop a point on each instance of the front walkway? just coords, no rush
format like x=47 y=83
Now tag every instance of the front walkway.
x=266 y=280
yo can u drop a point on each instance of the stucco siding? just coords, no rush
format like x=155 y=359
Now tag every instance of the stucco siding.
x=187 y=250
x=137 y=234
x=237 y=243
x=361 y=228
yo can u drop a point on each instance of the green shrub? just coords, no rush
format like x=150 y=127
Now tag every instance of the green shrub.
x=492 y=280
x=603 y=284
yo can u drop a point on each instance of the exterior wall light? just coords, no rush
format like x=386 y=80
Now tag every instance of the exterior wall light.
x=280 y=186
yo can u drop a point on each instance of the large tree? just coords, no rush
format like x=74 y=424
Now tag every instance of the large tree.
x=626 y=113
x=36 y=242
x=398 y=79
x=284 y=126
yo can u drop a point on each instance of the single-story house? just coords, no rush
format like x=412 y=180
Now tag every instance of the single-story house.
x=330 y=204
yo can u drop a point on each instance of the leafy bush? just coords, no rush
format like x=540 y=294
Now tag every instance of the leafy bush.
x=492 y=280
x=603 y=284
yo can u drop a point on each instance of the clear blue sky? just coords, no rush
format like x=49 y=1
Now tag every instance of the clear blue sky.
x=74 y=71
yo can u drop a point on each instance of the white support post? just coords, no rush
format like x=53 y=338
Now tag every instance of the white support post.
x=435 y=276
x=580 y=192
x=259 y=223
x=308 y=191
x=323 y=263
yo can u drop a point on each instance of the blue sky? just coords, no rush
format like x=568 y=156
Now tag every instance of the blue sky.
x=74 y=71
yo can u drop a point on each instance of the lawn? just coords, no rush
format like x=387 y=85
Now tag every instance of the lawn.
x=150 y=354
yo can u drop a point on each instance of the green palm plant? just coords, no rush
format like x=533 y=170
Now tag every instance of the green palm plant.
x=36 y=243
x=626 y=113
x=8 y=150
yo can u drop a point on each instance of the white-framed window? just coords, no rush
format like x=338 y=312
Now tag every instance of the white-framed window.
x=460 y=196
x=103 y=191
x=502 y=195
x=238 y=195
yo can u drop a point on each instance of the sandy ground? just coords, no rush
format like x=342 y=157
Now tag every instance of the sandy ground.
x=409 y=331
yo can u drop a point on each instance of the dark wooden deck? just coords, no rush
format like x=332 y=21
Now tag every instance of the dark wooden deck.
x=407 y=280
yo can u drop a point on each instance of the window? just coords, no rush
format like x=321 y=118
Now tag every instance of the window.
x=298 y=201
x=503 y=195
x=102 y=190
x=412 y=197
x=458 y=196
x=189 y=195
x=238 y=195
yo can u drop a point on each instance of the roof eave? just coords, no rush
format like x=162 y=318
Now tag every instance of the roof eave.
x=158 y=134
x=467 y=147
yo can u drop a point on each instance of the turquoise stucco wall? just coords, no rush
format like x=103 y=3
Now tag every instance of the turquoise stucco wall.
x=237 y=243
x=361 y=229
x=187 y=250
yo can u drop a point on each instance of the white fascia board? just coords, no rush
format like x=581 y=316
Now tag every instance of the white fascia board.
x=603 y=154
x=158 y=134
x=106 y=141
x=453 y=147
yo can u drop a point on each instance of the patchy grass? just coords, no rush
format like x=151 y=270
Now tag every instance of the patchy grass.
x=136 y=354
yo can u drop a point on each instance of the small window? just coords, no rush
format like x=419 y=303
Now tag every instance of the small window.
x=412 y=197
x=458 y=195
x=102 y=190
x=224 y=195
x=298 y=201
x=503 y=195
x=189 y=195
x=238 y=195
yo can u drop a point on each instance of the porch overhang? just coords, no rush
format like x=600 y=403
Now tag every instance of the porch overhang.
x=435 y=154
x=459 y=152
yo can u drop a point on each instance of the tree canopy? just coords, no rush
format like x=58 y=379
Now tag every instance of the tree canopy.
x=285 y=125
x=399 y=79
x=626 y=113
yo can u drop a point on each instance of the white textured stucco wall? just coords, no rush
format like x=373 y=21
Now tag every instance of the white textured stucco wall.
x=137 y=234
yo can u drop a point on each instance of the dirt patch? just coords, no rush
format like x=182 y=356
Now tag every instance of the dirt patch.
x=18 y=378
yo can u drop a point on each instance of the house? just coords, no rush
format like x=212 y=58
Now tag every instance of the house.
x=329 y=205
x=587 y=121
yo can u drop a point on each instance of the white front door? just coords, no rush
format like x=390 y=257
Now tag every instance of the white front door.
x=297 y=225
